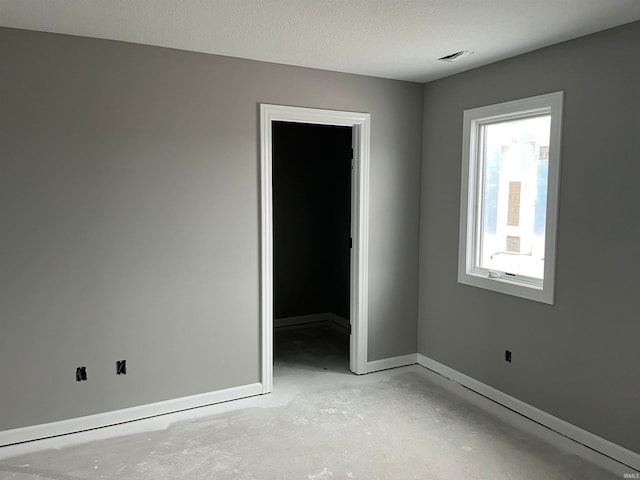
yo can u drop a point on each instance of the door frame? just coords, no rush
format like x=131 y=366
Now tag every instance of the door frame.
x=361 y=135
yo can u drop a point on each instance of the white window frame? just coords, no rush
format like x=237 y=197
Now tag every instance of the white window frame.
x=470 y=209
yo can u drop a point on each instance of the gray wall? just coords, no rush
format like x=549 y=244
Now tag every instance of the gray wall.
x=577 y=359
x=311 y=219
x=130 y=218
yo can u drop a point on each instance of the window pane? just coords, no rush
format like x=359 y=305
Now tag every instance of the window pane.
x=513 y=196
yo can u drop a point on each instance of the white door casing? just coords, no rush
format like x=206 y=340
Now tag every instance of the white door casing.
x=360 y=123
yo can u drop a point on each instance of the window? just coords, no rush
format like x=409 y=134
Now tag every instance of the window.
x=509 y=205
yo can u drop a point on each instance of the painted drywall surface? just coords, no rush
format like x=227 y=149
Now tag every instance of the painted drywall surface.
x=311 y=219
x=577 y=359
x=129 y=207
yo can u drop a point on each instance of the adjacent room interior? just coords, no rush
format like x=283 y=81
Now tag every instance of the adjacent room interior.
x=312 y=167
x=131 y=254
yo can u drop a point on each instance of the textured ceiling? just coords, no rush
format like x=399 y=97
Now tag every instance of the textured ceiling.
x=398 y=39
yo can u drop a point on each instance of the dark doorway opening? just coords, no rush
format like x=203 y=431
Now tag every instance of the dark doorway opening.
x=312 y=167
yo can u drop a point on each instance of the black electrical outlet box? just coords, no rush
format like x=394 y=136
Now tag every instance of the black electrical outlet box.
x=81 y=374
x=121 y=367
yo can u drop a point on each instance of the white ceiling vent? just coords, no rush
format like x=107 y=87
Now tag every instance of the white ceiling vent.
x=455 y=56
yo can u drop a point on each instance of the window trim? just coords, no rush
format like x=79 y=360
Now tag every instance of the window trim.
x=468 y=273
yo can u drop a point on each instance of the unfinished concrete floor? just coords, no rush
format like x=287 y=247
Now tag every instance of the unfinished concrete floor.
x=321 y=422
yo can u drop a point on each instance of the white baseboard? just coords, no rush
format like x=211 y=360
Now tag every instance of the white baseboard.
x=561 y=432
x=339 y=321
x=302 y=320
x=393 y=362
x=73 y=425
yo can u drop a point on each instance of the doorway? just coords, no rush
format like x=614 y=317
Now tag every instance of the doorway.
x=358 y=124
x=311 y=244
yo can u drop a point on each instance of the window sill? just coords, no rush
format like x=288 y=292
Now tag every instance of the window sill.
x=508 y=286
